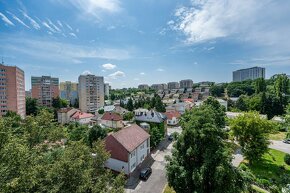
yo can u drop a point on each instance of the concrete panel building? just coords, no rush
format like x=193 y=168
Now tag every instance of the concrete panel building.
x=44 y=89
x=248 y=74
x=159 y=86
x=91 y=93
x=186 y=83
x=12 y=90
x=107 y=89
x=69 y=91
x=143 y=87
x=173 y=85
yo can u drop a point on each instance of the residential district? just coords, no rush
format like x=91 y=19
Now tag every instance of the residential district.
x=181 y=136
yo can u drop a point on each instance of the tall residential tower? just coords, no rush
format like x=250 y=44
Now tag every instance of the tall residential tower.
x=248 y=74
x=69 y=91
x=12 y=90
x=91 y=92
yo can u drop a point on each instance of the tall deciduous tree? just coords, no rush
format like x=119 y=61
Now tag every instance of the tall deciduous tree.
x=31 y=106
x=130 y=105
x=201 y=161
x=251 y=131
x=260 y=85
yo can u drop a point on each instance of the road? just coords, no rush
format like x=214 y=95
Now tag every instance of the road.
x=157 y=180
x=280 y=146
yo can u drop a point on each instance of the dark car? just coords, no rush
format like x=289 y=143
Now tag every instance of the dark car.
x=145 y=173
x=170 y=138
x=286 y=141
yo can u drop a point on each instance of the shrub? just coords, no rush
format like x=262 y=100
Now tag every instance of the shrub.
x=287 y=159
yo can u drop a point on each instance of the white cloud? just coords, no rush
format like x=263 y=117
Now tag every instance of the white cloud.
x=6 y=20
x=142 y=73
x=54 y=26
x=17 y=19
x=59 y=23
x=86 y=72
x=160 y=70
x=48 y=27
x=73 y=34
x=136 y=79
x=211 y=48
x=109 y=66
x=117 y=74
x=256 y=21
x=96 y=8
x=34 y=24
x=69 y=27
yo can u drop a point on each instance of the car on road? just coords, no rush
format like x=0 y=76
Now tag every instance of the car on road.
x=145 y=173
x=170 y=138
x=286 y=141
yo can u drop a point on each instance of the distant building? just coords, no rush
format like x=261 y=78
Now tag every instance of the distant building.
x=172 y=117
x=64 y=115
x=248 y=74
x=112 y=120
x=143 y=87
x=91 y=93
x=173 y=85
x=69 y=91
x=12 y=90
x=186 y=83
x=107 y=89
x=128 y=148
x=28 y=93
x=44 y=89
x=82 y=118
x=159 y=86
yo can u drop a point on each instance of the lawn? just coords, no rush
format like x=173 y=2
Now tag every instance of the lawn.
x=272 y=168
x=168 y=189
x=278 y=136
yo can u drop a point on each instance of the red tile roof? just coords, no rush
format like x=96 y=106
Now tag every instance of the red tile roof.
x=111 y=116
x=188 y=100
x=172 y=114
x=81 y=115
x=64 y=110
x=131 y=137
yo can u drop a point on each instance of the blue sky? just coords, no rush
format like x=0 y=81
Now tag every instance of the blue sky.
x=145 y=41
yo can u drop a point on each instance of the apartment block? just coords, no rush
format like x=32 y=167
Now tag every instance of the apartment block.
x=91 y=93
x=186 y=83
x=107 y=89
x=12 y=90
x=143 y=87
x=159 y=86
x=69 y=91
x=173 y=85
x=248 y=74
x=44 y=89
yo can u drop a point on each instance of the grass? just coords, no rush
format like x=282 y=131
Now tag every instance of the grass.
x=168 y=189
x=278 y=136
x=272 y=168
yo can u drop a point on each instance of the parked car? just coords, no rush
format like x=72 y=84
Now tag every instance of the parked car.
x=145 y=173
x=170 y=138
x=286 y=141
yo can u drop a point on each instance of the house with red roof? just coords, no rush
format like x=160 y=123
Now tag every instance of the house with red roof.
x=112 y=120
x=82 y=118
x=128 y=148
x=172 y=117
x=64 y=114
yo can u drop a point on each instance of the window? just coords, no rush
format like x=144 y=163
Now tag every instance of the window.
x=133 y=154
x=133 y=166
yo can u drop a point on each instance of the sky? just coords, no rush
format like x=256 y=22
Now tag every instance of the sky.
x=133 y=42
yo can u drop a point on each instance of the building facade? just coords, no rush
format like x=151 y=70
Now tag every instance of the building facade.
x=173 y=85
x=69 y=91
x=91 y=93
x=44 y=89
x=107 y=89
x=159 y=86
x=248 y=74
x=12 y=90
x=143 y=87
x=186 y=83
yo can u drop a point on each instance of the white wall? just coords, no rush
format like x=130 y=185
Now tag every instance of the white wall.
x=141 y=153
x=117 y=165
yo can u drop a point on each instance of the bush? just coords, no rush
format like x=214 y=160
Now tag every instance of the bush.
x=287 y=159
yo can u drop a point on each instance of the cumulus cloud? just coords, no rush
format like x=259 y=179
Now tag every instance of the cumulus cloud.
x=117 y=74
x=254 y=20
x=109 y=66
x=6 y=20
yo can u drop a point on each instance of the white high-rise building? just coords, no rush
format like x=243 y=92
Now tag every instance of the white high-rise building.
x=107 y=89
x=248 y=74
x=186 y=83
x=91 y=92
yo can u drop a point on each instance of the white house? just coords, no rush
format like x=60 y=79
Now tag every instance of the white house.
x=172 y=117
x=128 y=148
x=82 y=118
x=112 y=120
x=64 y=115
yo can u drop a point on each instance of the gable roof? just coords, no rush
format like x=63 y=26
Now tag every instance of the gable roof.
x=145 y=115
x=65 y=110
x=111 y=116
x=81 y=115
x=131 y=137
x=172 y=114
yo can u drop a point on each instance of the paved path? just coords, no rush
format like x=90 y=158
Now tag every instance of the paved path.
x=280 y=146
x=238 y=158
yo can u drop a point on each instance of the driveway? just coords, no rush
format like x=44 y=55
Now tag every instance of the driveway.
x=157 y=180
x=280 y=146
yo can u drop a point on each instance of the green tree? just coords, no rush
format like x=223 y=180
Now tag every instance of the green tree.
x=128 y=116
x=130 y=105
x=159 y=106
x=58 y=103
x=260 y=85
x=101 y=111
x=241 y=103
x=201 y=161
x=251 y=131
x=219 y=111
x=31 y=106
x=217 y=90
x=155 y=136
x=95 y=133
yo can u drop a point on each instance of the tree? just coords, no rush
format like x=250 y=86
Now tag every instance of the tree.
x=251 y=131
x=217 y=90
x=156 y=136
x=31 y=106
x=219 y=111
x=241 y=103
x=128 y=116
x=260 y=85
x=130 y=105
x=58 y=103
x=201 y=161
x=159 y=106
x=95 y=133
x=101 y=111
